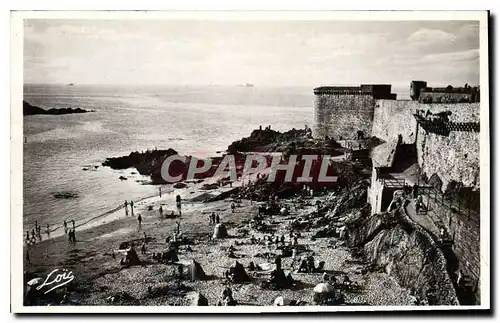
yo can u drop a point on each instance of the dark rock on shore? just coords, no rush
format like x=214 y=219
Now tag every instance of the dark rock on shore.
x=29 y=109
x=294 y=141
x=144 y=162
x=65 y=195
x=290 y=142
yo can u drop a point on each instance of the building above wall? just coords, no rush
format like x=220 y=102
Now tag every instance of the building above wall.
x=419 y=91
x=377 y=91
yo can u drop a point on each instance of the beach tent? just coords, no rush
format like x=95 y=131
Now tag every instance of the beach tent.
x=282 y=301
x=238 y=273
x=132 y=258
x=220 y=231
x=323 y=288
x=322 y=293
x=195 y=271
x=171 y=255
x=197 y=299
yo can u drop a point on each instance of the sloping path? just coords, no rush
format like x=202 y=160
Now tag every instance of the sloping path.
x=422 y=219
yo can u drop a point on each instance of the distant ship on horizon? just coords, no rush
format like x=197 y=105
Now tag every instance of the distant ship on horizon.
x=248 y=85
x=71 y=84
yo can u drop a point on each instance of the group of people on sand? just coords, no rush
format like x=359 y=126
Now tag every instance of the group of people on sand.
x=131 y=207
x=36 y=234
x=214 y=218
x=71 y=232
x=160 y=210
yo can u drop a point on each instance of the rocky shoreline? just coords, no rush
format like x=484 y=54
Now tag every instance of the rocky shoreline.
x=353 y=256
x=290 y=142
x=29 y=110
x=265 y=142
x=367 y=259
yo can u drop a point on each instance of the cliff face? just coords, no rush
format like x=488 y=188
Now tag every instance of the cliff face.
x=392 y=241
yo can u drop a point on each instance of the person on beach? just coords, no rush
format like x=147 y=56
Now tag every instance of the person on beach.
x=73 y=222
x=159 y=190
x=71 y=236
x=132 y=207
x=143 y=246
x=161 y=211
x=232 y=207
x=178 y=227
x=38 y=230
x=212 y=219
x=48 y=230
x=126 y=204
x=27 y=237
x=178 y=202
x=28 y=260
x=33 y=236
x=65 y=227
x=139 y=219
x=217 y=219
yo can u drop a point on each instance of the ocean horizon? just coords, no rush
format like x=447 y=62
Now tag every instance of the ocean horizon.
x=194 y=120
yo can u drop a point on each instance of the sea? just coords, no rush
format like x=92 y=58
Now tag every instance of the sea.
x=64 y=153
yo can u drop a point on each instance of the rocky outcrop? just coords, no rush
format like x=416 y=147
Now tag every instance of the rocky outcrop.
x=394 y=242
x=290 y=142
x=29 y=109
x=149 y=163
x=142 y=161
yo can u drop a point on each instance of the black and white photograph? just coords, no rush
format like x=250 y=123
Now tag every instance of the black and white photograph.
x=249 y=162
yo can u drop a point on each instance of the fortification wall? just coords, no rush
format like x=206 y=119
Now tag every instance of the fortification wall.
x=342 y=115
x=395 y=117
x=444 y=97
x=454 y=157
x=464 y=227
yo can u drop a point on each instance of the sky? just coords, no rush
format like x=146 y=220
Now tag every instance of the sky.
x=267 y=53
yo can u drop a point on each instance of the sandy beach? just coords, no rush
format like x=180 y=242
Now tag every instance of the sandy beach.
x=99 y=276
